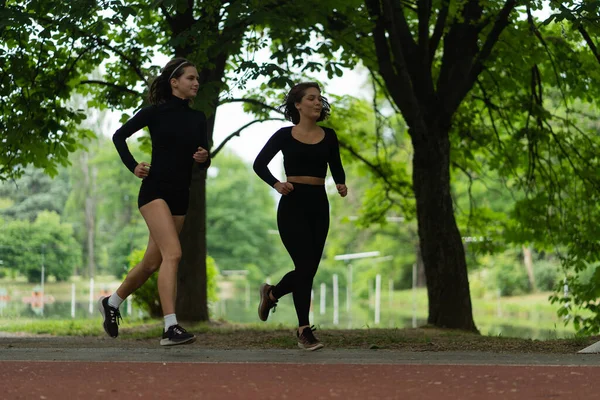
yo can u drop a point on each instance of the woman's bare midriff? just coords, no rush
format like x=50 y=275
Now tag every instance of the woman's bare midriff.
x=307 y=180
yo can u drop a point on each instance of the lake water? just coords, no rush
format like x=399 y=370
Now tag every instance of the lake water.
x=242 y=309
x=362 y=316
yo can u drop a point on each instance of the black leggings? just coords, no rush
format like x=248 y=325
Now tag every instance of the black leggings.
x=303 y=222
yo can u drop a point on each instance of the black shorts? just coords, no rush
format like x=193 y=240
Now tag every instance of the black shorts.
x=176 y=198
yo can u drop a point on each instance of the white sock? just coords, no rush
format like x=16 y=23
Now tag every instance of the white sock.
x=170 y=320
x=114 y=300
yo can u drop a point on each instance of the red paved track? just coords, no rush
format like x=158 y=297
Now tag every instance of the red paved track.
x=125 y=380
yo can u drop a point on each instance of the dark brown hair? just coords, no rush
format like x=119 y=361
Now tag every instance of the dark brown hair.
x=295 y=95
x=160 y=89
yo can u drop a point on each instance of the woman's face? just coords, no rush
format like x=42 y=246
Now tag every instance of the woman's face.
x=186 y=86
x=311 y=104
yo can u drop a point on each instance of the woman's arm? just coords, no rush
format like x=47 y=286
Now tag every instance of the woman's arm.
x=137 y=122
x=261 y=163
x=335 y=161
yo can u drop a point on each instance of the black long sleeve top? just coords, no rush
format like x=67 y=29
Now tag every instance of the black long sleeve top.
x=301 y=159
x=176 y=131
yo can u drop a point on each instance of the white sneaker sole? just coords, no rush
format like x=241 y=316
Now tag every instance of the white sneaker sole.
x=315 y=347
x=168 y=342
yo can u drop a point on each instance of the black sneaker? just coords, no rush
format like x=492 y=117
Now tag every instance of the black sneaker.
x=176 y=335
x=307 y=339
x=111 y=317
x=265 y=304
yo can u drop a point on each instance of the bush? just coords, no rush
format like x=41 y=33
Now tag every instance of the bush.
x=147 y=296
x=547 y=275
x=507 y=274
x=477 y=285
x=511 y=279
x=588 y=274
x=211 y=279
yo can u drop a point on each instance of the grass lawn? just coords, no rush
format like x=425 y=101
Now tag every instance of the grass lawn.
x=529 y=313
x=237 y=336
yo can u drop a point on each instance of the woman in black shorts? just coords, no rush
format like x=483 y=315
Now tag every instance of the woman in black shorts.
x=179 y=139
x=303 y=213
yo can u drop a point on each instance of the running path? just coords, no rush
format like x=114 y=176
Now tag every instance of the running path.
x=143 y=380
x=48 y=369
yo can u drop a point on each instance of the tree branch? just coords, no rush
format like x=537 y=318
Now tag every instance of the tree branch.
x=580 y=27
x=409 y=5
x=461 y=46
x=74 y=63
x=538 y=35
x=384 y=89
x=238 y=132
x=454 y=93
x=251 y=101
x=438 y=31
x=565 y=153
x=338 y=24
x=394 y=72
x=589 y=41
x=380 y=40
x=111 y=85
x=98 y=40
x=397 y=27
x=499 y=25
x=402 y=189
x=424 y=12
x=165 y=12
x=490 y=107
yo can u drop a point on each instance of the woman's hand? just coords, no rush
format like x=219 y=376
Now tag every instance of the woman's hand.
x=284 y=187
x=342 y=189
x=141 y=170
x=201 y=155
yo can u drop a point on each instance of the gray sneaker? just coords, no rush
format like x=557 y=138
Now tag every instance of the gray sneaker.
x=307 y=339
x=265 y=304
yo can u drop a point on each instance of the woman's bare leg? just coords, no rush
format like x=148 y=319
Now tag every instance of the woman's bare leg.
x=144 y=269
x=164 y=232
x=152 y=260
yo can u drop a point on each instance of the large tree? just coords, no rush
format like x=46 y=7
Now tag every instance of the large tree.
x=33 y=193
x=27 y=246
x=436 y=60
x=123 y=38
x=431 y=55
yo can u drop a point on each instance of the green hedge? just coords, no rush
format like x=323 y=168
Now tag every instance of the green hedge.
x=147 y=297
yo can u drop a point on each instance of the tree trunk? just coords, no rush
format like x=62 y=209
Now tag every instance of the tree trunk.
x=441 y=245
x=421 y=279
x=192 y=302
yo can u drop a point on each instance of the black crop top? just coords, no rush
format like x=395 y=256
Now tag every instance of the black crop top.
x=301 y=159
x=176 y=131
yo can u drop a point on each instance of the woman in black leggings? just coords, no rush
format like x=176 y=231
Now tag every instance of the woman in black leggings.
x=303 y=213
